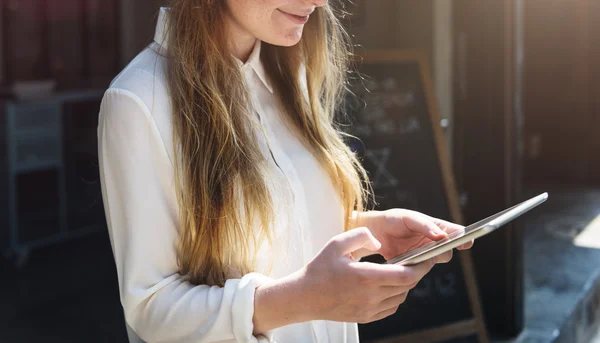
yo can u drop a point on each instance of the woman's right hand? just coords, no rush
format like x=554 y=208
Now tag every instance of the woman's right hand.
x=339 y=288
x=336 y=287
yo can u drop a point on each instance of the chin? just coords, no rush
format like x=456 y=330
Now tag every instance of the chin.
x=286 y=40
x=291 y=41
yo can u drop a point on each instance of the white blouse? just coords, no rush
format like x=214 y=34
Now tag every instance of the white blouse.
x=136 y=168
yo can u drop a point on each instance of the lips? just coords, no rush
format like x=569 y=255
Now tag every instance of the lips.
x=298 y=19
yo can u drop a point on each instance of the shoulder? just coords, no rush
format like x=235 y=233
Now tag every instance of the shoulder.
x=139 y=94
x=144 y=78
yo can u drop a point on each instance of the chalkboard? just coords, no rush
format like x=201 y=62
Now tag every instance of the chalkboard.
x=392 y=113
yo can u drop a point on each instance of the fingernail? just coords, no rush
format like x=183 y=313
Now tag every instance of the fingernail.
x=438 y=232
x=377 y=244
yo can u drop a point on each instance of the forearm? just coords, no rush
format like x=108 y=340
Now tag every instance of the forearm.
x=281 y=302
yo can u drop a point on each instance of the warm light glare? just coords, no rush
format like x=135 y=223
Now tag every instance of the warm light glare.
x=590 y=236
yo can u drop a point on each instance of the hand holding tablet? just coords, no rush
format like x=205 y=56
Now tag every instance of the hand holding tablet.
x=471 y=232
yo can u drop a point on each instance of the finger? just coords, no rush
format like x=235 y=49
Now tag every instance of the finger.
x=394 y=300
x=444 y=258
x=384 y=314
x=466 y=246
x=392 y=290
x=420 y=223
x=390 y=274
x=450 y=228
x=353 y=240
x=446 y=225
x=387 y=292
x=413 y=274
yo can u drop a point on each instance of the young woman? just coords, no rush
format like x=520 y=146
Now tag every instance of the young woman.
x=234 y=207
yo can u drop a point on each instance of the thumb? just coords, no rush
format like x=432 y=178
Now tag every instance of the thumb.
x=353 y=240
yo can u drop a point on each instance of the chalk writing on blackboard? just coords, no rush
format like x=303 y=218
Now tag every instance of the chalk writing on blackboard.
x=406 y=199
x=411 y=125
x=382 y=177
x=375 y=100
x=437 y=285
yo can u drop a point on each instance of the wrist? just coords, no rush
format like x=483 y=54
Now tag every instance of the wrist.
x=282 y=302
x=368 y=219
x=303 y=300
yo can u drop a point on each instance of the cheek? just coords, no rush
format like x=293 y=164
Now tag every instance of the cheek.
x=249 y=14
x=280 y=31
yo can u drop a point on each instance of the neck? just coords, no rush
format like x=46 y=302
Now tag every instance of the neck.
x=241 y=41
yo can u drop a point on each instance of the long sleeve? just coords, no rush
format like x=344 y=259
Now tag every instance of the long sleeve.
x=138 y=192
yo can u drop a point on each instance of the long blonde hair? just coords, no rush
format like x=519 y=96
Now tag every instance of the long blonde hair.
x=218 y=159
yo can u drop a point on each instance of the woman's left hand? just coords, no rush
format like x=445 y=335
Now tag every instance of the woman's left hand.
x=400 y=230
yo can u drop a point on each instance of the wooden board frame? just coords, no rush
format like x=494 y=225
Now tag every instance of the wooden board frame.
x=476 y=325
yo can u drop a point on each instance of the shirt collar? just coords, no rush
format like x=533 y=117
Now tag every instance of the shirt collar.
x=254 y=62
x=160 y=34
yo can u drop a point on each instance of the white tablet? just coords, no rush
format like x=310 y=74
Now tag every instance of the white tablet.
x=471 y=232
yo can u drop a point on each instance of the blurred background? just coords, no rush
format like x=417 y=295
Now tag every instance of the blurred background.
x=516 y=85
